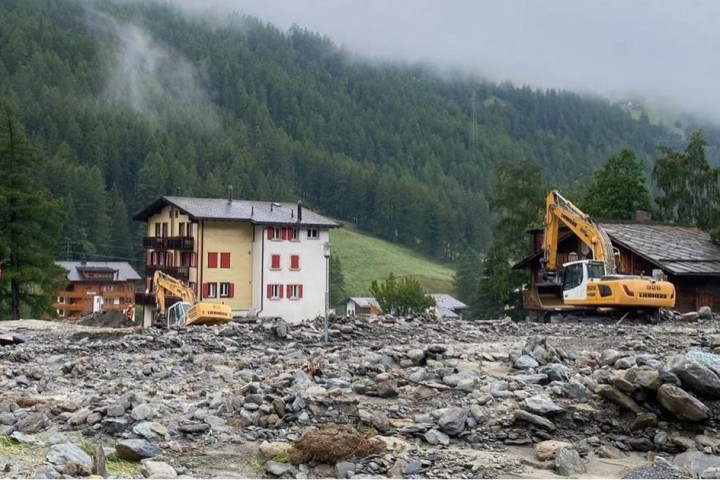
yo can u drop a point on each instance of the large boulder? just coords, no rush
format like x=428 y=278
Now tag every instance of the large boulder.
x=452 y=420
x=135 y=450
x=70 y=459
x=542 y=404
x=694 y=463
x=568 y=462
x=681 y=404
x=698 y=379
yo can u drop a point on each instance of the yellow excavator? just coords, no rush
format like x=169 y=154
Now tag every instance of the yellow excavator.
x=188 y=311
x=593 y=284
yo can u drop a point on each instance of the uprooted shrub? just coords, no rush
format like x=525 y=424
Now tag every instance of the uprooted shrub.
x=332 y=444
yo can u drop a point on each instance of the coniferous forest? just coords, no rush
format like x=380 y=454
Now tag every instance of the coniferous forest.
x=124 y=102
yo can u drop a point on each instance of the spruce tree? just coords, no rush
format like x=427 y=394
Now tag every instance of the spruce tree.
x=30 y=222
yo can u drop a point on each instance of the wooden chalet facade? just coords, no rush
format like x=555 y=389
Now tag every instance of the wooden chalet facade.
x=684 y=255
x=113 y=282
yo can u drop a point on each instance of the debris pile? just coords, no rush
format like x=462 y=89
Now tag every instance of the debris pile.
x=106 y=319
x=387 y=397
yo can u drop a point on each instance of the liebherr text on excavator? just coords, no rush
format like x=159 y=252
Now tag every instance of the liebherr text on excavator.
x=593 y=284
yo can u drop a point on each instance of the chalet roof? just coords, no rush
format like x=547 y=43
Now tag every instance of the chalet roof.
x=365 y=302
x=445 y=301
x=124 y=271
x=262 y=213
x=677 y=249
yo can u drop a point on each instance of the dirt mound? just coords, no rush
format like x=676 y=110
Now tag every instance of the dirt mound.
x=109 y=319
x=334 y=443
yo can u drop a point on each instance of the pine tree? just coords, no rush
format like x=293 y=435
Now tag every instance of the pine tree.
x=30 y=221
x=337 y=281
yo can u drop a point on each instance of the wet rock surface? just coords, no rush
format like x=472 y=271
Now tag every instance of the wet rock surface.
x=433 y=399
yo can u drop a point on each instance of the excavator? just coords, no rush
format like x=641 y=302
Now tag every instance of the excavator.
x=593 y=285
x=188 y=311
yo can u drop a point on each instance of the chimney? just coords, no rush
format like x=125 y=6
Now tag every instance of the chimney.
x=178 y=190
x=252 y=211
x=299 y=211
x=642 y=216
x=230 y=193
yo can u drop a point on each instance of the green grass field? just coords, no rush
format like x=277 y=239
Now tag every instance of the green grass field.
x=365 y=258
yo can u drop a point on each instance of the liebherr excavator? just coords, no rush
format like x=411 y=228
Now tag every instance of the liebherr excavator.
x=188 y=311
x=593 y=285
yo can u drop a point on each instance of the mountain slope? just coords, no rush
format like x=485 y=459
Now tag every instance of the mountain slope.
x=130 y=100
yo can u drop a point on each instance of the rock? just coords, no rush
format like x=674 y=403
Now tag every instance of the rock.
x=135 y=450
x=698 y=379
x=277 y=468
x=452 y=420
x=711 y=473
x=535 y=420
x=150 y=431
x=530 y=379
x=568 y=462
x=641 y=444
x=270 y=450
x=610 y=356
x=436 y=437
x=681 y=404
x=153 y=469
x=616 y=396
x=694 y=463
x=542 y=404
x=413 y=467
x=416 y=355
x=660 y=468
x=608 y=451
x=344 y=469
x=576 y=391
x=70 y=459
x=193 y=427
x=526 y=362
x=33 y=423
x=705 y=313
x=639 y=377
x=281 y=329
x=689 y=317
x=643 y=420
x=141 y=412
x=387 y=389
x=548 y=449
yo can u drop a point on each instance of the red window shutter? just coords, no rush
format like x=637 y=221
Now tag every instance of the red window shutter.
x=281 y=291
x=270 y=232
x=269 y=291
x=231 y=290
x=295 y=262
x=300 y=291
x=205 y=290
x=275 y=261
x=225 y=260
x=289 y=290
x=212 y=259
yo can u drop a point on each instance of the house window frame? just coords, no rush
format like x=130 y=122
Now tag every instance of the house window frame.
x=276 y=291
x=297 y=256
x=293 y=292
x=294 y=234
x=313 y=233
x=212 y=290
x=226 y=287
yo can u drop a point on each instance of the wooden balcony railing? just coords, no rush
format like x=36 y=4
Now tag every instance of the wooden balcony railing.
x=181 y=273
x=169 y=243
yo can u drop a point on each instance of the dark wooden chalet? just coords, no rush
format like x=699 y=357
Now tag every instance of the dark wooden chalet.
x=683 y=254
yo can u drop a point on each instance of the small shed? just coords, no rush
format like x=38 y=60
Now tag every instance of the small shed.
x=448 y=306
x=362 y=306
x=683 y=254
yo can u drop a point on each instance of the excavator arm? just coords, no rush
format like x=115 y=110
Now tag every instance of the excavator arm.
x=560 y=210
x=164 y=283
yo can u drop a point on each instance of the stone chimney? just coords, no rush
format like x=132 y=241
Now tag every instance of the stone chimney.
x=299 y=218
x=642 y=216
x=230 y=193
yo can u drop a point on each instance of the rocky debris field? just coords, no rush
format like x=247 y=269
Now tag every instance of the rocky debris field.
x=386 y=397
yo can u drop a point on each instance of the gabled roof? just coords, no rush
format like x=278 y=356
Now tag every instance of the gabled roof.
x=262 y=213
x=75 y=270
x=677 y=249
x=445 y=301
x=365 y=302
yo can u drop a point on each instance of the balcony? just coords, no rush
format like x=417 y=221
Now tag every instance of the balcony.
x=148 y=299
x=169 y=243
x=181 y=273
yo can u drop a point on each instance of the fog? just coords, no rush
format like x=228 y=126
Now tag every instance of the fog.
x=661 y=50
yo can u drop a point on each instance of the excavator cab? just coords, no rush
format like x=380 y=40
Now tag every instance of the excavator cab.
x=577 y=275
x=177 y=314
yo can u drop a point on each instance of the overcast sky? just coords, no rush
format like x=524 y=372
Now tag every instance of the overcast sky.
x=663 y=48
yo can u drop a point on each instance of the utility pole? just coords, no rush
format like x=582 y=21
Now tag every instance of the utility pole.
x=326 y=254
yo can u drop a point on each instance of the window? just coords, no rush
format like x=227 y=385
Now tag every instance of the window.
x=225 y=260
x=165 y=229
x=189 y=229
x=293 y=234
x=294 y=262
x=210 y=290
x=227 y=290
x=181 y=229
x=212 y=259
x=573 y=276
x=169 y=259
x=294 y=292
x=274 y=233
x=274 y=292
x=157 y=229
x=275 y=262
x=312 y=233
